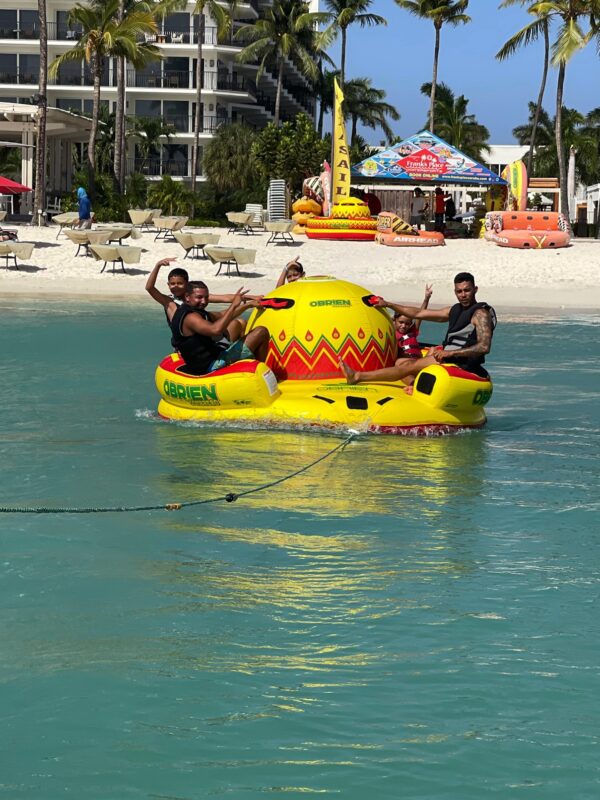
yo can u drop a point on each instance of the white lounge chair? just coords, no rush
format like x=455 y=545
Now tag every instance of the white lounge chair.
x=14 y=250
x=116 y=254
x=194 y=243
x=230 y=256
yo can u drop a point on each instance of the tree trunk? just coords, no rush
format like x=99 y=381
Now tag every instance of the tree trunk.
x=119 y=112
x=571 y=184
x=353 y=131
x=278 y=95
x=343 y=60
x=97 y=72
x=321 y=119
x=321 y=109
x=39 y=196
x=436 y=56
x=119 y=160
x=560 y=149
x=198 y=115
x=540 y=100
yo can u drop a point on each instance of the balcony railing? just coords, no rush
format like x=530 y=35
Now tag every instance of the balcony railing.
x=167 y=80
x=157 y=166
x=173 y=79
x=187 y=124
x=63 y=32
x=25 y=78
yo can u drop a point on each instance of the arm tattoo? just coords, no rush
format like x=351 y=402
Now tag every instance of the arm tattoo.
x=483 y=325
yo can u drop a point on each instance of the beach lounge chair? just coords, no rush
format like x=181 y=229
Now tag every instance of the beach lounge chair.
x=239 y=222
x=119 y=232
x=116 y=254
x=258 y=216
x=230 y=256
x=83 y=239
x=193 y=243
x=166 y=226
x=142 y=218
x=280 y=231
x=65 y=220
x=14 y=250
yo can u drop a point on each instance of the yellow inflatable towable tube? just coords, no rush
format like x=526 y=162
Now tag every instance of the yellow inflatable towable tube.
x=313 y=322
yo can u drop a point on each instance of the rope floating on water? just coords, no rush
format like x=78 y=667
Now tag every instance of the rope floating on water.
x=230 y=497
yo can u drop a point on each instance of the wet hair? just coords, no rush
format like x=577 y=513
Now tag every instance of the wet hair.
x=178 y=272
x=191 y=285
x=464 y=277
x=295 y=265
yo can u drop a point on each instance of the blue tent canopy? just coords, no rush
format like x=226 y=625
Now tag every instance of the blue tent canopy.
x=425 y=158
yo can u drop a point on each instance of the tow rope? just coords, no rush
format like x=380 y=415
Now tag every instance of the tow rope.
x=230 y=497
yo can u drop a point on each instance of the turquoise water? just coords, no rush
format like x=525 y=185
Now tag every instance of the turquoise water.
x=414 y=618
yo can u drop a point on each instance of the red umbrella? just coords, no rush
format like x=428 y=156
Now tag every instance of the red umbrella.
x=12 y=187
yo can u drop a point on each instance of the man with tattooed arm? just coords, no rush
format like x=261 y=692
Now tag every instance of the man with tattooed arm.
x=468 y=339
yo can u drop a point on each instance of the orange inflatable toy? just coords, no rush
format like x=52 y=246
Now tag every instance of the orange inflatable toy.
x=395 y=232
x=350 y=220
x=527 y=230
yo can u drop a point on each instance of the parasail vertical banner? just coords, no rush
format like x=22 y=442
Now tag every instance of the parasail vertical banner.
x=340 y=173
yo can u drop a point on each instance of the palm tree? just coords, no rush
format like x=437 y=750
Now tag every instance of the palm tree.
x=223 y=21
x=280 y=34
x=103 y=36
x=365 y=104
x=456 y=125
x=570 y=39
x=579 y=133
x=144 y=53
x=323 y=89
x=228 y=162
x=544 y=134
x=339 y=15
x=40 y=132
x=148 y=133
x=530 y=33
x=441 y=12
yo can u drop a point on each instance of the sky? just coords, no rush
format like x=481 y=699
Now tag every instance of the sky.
x=399 y=58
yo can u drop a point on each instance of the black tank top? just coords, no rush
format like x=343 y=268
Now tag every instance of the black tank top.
x=462 y=333
x=197 y=350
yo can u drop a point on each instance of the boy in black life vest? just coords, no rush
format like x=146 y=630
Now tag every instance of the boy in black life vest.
x=407 y=330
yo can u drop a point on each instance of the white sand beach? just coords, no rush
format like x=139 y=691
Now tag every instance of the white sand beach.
x=543 y=280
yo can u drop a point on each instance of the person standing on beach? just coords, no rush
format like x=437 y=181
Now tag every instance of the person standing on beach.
x=418 y=207
x=468 y=339
x=440 y=208
x=84 y=208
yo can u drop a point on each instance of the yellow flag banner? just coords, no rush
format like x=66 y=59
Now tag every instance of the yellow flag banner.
x=340 y=174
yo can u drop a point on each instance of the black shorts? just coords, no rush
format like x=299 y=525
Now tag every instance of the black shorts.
x=470 y=365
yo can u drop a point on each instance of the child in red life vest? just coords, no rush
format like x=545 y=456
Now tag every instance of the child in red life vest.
x=407 y=330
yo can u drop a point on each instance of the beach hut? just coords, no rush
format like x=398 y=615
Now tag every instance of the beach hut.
x=421 y=160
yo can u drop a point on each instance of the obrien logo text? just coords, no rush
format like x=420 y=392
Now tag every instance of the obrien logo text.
x=314 y=303
x=194 y=394
x=481 y=397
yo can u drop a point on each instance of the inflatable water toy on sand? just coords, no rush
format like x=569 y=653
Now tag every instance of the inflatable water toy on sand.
x=515 y=174
x=312 y=323
x=495 y=198
x=527 y=230
x=350 y=219
x=304 y=210
x=393 y=231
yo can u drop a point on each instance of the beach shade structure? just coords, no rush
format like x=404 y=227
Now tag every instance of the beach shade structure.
x=12 y=187
x=425 y=159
